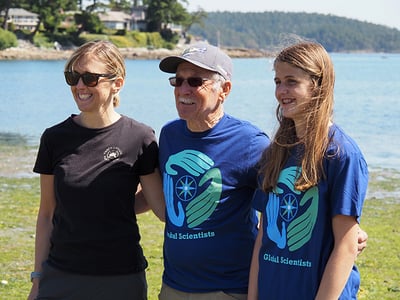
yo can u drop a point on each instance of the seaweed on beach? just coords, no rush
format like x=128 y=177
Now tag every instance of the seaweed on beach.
x=13 y=139
x=17 y=156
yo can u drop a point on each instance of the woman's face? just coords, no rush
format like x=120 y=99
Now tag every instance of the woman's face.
x=99 y=98
x=293 y=90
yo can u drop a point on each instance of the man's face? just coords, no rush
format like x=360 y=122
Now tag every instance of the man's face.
x=200 y=106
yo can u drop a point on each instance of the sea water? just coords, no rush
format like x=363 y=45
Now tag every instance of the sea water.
x=34 y=96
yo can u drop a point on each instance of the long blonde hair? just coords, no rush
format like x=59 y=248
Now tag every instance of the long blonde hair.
x=312 y=58
x=105 y=52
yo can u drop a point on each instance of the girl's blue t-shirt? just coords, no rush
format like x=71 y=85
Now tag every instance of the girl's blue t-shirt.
x=297 y=226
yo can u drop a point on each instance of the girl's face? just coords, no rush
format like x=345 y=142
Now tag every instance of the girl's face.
x=293 y=90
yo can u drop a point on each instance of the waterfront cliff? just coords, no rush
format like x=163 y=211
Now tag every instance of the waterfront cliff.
x=27 y=51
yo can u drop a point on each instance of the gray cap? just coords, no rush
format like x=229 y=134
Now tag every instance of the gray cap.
x=202 y=55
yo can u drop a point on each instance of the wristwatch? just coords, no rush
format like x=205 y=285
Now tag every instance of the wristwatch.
x=35 y=275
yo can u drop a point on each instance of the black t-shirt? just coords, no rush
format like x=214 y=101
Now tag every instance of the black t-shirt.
x=96 y=173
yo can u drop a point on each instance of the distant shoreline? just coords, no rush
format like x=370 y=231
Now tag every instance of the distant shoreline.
x=36 y=53
x=27 y=51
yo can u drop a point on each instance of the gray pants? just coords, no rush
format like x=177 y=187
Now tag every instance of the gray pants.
x=168 y=293
x=56 y=284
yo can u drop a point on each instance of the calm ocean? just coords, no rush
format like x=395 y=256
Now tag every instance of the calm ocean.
x=35 y=96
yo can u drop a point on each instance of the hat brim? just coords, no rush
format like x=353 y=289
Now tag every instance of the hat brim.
x=170 y=64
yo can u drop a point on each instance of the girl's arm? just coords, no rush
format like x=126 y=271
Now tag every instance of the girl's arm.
x=341 y=260
x=44 y=227
x=253 y=279
x=153 y=193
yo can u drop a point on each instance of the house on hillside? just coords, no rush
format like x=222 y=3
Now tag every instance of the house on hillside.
x=139 y=17
x=121 y=21
x=116 y=20
x=21 y=19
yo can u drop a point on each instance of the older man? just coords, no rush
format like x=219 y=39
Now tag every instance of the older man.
x=208 y=160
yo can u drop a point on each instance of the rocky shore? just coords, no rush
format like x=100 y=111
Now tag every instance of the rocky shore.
x=27 y=51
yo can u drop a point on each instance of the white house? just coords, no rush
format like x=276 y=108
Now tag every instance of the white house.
x=22 y=19
x=139 y=17
x=116 y=20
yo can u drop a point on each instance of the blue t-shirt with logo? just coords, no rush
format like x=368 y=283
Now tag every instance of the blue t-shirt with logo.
x=297 y=226
x=209 y=179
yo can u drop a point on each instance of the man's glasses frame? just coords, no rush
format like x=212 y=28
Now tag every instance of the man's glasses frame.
x=89 y=79
x=192 y=81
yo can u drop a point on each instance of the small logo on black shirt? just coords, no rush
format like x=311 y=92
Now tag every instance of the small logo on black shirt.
x=112 y=153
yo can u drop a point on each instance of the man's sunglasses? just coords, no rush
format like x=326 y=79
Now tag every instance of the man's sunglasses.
x=89 y=79
x=192 y=81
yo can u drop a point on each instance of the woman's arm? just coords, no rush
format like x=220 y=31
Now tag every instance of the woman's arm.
x=254 y=267
x=341 y=260
x=153 y=193
x=44 y=227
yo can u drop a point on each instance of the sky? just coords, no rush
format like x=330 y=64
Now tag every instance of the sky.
x=382 y=12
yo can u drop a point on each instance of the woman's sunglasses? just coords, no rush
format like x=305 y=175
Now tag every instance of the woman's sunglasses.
x=89 y=79
x=192 y=81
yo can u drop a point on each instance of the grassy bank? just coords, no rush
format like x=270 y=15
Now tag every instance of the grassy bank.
x=379 y=264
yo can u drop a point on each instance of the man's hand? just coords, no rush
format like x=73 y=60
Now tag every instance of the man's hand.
x=362 y=240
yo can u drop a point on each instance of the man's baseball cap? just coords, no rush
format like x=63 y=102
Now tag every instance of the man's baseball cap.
x=202 y=55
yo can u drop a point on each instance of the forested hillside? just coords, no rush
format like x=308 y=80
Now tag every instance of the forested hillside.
x=268 y=30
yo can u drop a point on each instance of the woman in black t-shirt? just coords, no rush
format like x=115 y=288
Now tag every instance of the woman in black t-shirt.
x=90 y=165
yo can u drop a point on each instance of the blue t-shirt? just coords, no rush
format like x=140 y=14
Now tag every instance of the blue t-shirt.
x=297 y=226
x=209 y=179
